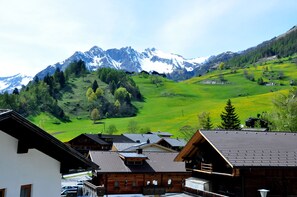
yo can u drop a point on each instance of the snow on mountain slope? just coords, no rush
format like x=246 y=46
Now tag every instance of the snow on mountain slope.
x=128 y=59
x=125 y=58
x=8 y=84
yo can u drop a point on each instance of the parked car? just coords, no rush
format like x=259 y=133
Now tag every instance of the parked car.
x=69 y=192
x=68 y=187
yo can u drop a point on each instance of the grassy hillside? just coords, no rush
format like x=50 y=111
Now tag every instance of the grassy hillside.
x=176 y=104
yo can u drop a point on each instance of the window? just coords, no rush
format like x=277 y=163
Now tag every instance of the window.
x=126 y=183
x=26 y=191
x=2 y=192
x=134 y=184
x=169 y=182
x=116 y=184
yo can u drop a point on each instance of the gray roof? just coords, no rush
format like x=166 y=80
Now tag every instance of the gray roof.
x=133 y=155
x=123 y=146
x=244 y=149
x=145 y=146
x=143 y=137
x=161 y=133
x=110 y=162
x=175 y=142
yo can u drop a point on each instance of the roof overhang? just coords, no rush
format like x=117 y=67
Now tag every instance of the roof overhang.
x=30 y=136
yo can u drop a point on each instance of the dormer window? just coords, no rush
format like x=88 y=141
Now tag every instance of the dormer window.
x=133 y=158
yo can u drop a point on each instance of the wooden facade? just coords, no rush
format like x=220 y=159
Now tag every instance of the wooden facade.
x=149 y=173
x=142 y=183
x=85 y=142
x=247 y=165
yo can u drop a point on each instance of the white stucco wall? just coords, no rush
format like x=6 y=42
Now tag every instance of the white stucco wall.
x=34 y=167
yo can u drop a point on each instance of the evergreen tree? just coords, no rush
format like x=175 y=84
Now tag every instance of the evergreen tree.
x=16 y=91
x=95 y=86
x=229 y=118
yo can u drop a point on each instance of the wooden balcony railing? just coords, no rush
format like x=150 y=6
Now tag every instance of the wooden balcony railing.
x=207 y=167
x=93 y=190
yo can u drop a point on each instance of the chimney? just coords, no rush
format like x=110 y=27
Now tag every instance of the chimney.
x=148 y=141
x=99 y=135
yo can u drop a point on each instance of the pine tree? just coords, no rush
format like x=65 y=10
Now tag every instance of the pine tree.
x=229 y=118
x=95 y=86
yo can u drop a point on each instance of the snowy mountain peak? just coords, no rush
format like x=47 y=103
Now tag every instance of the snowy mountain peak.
x=129 y=59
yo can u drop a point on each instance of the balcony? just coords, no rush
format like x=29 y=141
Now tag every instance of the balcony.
x=93 y=190
x=206 y=167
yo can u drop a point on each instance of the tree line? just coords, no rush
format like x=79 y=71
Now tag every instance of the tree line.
x=42 y=95
x=282 y=46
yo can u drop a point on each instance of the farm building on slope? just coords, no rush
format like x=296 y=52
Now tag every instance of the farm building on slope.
x=32 y=160
x=239 y=163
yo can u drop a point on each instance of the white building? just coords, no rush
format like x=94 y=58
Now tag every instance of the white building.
x=32 y=161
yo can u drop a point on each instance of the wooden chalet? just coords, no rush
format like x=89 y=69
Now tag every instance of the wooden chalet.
x=239 y=163
x=86 y=142
x=149 y=173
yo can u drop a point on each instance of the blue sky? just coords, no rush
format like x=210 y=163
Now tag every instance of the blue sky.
x=35 y=34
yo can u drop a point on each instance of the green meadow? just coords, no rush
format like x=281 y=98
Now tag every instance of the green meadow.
x=174 y=105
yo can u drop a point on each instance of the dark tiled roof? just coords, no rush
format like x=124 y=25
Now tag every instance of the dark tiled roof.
x=117 y=138
x=100 y=138
x=95 y=138
x=244 y=149
x=153 y=138
x=156 y=162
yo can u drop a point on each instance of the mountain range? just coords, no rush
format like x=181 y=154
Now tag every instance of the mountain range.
x=175 y=66
x=128 y=59
x=125 y=58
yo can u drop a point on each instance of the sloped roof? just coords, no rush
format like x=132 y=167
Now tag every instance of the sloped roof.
x=30 y=136
x=248 y=149
x=123 y=146
x=99 y=138
x=174 y=142
x=95 y=138
x=116 y=138
x=144 y=146
x=153 y=138
x=160 y=133
x=110 y=162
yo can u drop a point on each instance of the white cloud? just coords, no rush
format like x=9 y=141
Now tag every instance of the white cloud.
x=35 y=34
